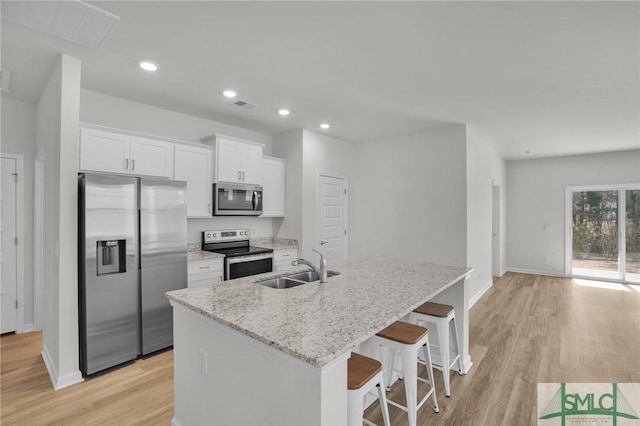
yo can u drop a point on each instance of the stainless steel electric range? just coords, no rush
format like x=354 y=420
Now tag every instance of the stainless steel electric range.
x=240 y=258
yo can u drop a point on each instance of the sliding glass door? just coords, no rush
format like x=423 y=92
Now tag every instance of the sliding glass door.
x=632 y=239
x=604 y=233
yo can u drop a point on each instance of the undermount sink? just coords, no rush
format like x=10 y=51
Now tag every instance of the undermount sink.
x=294 y=280
x=281 y=283
x=311 y=276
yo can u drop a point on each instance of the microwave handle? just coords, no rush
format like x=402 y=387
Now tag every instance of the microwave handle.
x=254 y=200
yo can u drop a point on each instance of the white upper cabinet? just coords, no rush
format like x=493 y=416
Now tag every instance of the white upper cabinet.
x=251 y=163
x=228 y=161
x=273 y=187
x=112 y=152
x=103 y=151
x=193 y=165
x=151 y=157
x=238 y=162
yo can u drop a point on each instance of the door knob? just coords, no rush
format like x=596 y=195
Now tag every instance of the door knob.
x=324 y=242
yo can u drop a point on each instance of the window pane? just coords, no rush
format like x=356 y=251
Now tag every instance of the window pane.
x=595 y=234
x=633 y=236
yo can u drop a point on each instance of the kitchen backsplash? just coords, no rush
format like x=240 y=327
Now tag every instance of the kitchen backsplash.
x=274 y=240
x=194 y=246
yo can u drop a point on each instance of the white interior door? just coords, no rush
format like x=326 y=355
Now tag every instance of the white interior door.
x=332 y=216
x=9 y=250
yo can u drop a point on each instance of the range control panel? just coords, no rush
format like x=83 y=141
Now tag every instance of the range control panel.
x=220 y=236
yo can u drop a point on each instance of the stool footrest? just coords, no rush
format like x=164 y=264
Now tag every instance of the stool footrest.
x=420 y=404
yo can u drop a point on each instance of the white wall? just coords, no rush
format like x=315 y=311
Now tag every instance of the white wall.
x=408 y=198
x=536 y=198
x=289 y=146
x=485 y=168
x=307 y=153
x=19 y=137
x=57 y=133
x=98 y=108
x=105 y=110
x=321 y=153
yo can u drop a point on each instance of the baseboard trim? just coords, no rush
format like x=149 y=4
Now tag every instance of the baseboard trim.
x=536 y=272
x=481 y=293
x=466 y=365
x=63 y=381
x=29 y=328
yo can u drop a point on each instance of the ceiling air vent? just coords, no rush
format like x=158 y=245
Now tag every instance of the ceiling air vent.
x=245 y=105
x=73 y=21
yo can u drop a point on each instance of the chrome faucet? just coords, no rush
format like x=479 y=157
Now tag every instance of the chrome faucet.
x=322 y=271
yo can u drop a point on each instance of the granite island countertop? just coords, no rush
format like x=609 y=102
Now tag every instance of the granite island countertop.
x=319 y=322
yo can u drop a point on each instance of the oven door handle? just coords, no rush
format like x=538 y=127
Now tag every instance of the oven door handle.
x=243 y=259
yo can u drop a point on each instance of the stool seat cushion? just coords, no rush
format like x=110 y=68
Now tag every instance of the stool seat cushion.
x=434 y=309
x=361 y=369
x=403 y=332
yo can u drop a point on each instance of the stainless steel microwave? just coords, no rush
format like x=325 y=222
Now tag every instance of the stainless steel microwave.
x=236 y=199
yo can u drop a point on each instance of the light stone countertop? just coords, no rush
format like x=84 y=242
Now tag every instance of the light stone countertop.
x=195 y=255
x=276 y=246
x=319 y=322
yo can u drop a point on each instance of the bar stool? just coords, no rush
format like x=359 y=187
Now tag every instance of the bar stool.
x=444 y=318
x=363 y=374
x=408 y=339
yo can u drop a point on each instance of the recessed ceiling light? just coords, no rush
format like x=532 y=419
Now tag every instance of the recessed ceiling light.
x=148 y=66
x=229 y=93
x=325 y=125
x=284 y=112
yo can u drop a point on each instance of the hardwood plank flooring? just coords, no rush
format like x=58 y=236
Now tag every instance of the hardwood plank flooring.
x=526 y=329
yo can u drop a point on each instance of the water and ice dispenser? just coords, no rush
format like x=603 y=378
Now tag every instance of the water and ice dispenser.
x=111 y=257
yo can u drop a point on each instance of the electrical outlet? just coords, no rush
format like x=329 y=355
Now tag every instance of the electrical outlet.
x=203 y=362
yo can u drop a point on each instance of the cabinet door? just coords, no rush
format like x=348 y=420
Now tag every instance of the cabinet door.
x=273 y=186
x=150 y=157
x=193 y=164
x=250 y=162
x=102 y=151
x=228 y=161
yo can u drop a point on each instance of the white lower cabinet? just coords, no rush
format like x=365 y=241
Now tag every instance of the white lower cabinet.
x=282 y=258
x=205 y=272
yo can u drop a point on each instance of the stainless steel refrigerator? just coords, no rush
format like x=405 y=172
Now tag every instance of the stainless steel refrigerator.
x=132 y=248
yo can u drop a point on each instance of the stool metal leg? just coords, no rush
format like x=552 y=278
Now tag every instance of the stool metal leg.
x=443 y=342
x=382 y=397
x=427 y=356
x=410 y=368
x=355 y=402
x=389 y=357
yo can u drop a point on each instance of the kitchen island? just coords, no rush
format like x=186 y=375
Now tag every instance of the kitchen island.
x=249 y=354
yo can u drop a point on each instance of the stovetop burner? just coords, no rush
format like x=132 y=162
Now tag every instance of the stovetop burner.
x=231 y=243
x=238 y=251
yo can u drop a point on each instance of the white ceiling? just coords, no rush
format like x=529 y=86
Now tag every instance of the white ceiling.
x=555 y=78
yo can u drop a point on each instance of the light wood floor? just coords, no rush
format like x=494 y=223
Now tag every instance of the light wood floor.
x=526 y=329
